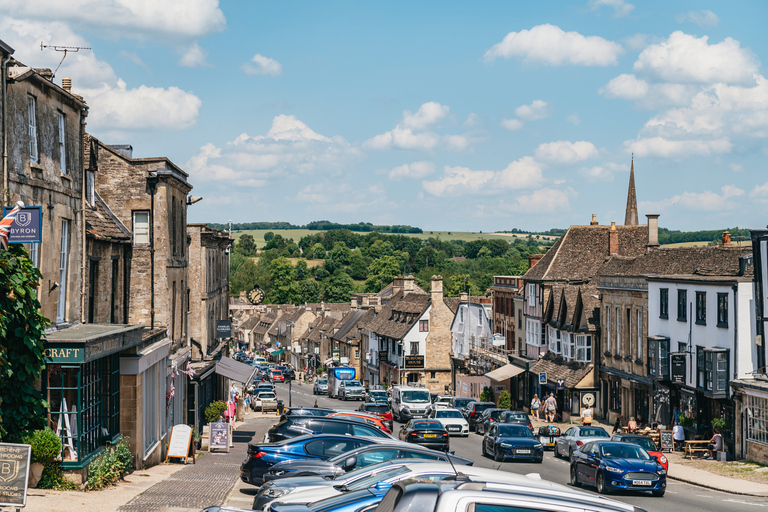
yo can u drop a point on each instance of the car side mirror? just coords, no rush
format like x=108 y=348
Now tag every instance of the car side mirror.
x=655 y=457
x=402 y=427
x=350 y=462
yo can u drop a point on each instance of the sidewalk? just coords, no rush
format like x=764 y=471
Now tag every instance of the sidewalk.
x=680 y=469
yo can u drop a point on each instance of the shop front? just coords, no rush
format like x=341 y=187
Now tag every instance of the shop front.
x=81 y=383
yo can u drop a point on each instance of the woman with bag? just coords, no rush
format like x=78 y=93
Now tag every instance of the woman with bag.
x=535 y=404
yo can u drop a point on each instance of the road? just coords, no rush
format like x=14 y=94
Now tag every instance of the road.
x=680 y=497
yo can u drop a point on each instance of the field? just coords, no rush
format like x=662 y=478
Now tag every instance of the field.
x=296 y=234
x=746 y=244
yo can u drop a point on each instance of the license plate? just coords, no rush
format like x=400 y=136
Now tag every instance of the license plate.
x=523 y=451
x=641 y=482
x=454 y=429
x=430 y=435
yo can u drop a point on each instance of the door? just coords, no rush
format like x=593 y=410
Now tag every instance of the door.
x=591 y=464
x=490 y=438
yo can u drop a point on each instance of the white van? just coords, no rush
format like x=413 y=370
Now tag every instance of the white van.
x=409 y=402
x=258 y=360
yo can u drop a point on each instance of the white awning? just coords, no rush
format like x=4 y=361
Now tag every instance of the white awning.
x=505 y=372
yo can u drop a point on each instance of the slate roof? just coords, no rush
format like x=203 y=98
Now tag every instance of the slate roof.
x=346 y=329
x=273 y=330
x=399 y=315
x=325 y=324
x=250 y=323
x=555 y=368
x=703 y=261
x=579 y=254
x=101 y=223
x=265 y=322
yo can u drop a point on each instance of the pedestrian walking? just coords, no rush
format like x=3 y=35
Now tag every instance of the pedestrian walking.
x=535 y=404
x=550 y=408
x=586 y=416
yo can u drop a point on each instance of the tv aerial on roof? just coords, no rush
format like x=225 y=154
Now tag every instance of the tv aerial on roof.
x=65 y=49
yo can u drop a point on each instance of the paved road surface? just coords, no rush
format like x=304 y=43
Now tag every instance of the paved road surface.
x=680 y=497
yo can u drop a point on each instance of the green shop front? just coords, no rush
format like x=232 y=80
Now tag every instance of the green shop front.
x=81 y=383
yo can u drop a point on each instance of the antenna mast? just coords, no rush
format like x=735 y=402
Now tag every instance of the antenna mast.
x=65 y=49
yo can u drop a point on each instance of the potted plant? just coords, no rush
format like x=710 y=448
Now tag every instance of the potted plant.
x=46 y=448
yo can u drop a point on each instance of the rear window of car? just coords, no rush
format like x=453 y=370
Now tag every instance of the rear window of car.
x=377 y=409
x=646 y=442
x=482 y=407
x=428 y=425
x=322 y=381
x=593 y=432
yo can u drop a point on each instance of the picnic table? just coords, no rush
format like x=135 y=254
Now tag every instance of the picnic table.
x=696 y=446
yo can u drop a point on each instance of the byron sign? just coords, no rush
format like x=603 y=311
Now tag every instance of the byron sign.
x=28 y=226
x=14 y=474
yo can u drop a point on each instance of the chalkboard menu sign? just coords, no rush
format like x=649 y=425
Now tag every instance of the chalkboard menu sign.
x=677 y=370
x=180 y=446
x=14 y=474
x=219 y=436
x=667 y=440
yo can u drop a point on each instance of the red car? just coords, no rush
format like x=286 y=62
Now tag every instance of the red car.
x=379 y=409
x=646 y=443
x=277 y=376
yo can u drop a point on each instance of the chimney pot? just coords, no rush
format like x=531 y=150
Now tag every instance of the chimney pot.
x=436 y=288
x=594 y=220
x=463 y=297
x=66 y=84
x=726 y=238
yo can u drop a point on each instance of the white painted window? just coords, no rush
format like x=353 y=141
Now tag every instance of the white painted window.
x=618 y=331
x=554 y=340
x=34 y=155
x=639 y=334
x=757 y=419
x=584 y=348
x=140 y=227
x=62 y=143
x=90 y=188
x=531 y=294
x=150 y=391
x=629 y=333
x=608 y=329
x=61 y=311
x=532 y=330
x=568 y=348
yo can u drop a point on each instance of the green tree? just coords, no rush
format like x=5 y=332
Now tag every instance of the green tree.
x=381 y=272
x=268 y=236
x=340 y=254
x=505 y=400
x=246 y=245
x=302 y=271
x=484 y=252
x=456 y=284
x=318 y=250
x=338 y=288
x=358 y=269
x=380 y=248
x=283 y=288
x=243 y=275
x=487 y=394
x=310 y=291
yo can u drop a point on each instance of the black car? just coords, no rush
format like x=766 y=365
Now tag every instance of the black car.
x=358 y=458
x=473 y=410
x=288 y=372
x=430 y=433
x=504 y=441
x=295 y=426
x=460 y=402
x=516 y=417
x=487 y=418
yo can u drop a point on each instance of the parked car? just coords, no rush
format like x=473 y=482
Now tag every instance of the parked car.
x=441 y=402
x=646 y=443
x=429 y=433
x=613 y=466
x=575 y=437
x=308 y=411
x=287 y=372
x=361 y=457
x=452 y=420
x=488 y=418
x=473 y=410
x=493 y=494
x=351 y=390
x=516 y=417
x=380 y=409
x=320 y=387
x=357 y=501
x=257 y=404
x=263 y=456
x=503 y=441
x=548 y=434
x=460 y=403
x=363 y=417
x=276 y=376
x=295 y=426
x=377 y=395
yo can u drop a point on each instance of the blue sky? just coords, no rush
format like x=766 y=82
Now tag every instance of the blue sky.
x=444 y=115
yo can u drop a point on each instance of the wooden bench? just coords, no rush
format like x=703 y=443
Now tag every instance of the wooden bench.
x=692 y=447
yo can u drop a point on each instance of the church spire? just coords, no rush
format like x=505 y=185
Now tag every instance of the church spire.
x=630 y=217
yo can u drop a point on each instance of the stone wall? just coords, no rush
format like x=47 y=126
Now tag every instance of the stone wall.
x=104 y=255
x=437 y=371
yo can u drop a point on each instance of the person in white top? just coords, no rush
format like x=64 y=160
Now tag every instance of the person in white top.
x=679 y=436
x=586 y=416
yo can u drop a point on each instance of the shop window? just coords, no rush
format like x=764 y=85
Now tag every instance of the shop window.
x=614 y=403
x=712 y=367
x=722 y=310
x=413 y=378
x=664 y=303
x=701 y=308
x=757 y=418
x=682 y=305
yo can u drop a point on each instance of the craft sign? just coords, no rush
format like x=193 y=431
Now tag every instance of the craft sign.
x=14 y=474
x=181 y=446
x=219 y=436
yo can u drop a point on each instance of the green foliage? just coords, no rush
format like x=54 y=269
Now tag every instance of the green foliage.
x=283 y=288
x=22 y=329
x=357 y=268
x=505 y=400
x=246 y=245
x=53 y=478
x=268 y=236
x=110 y=467
x=214 y=410
x=381 y=272
x=667 y=236
x=338 y=288
x=719 y=424
x=340 y=254
x=302 y=270
x=318 y=250
x=310 y=291
x=243 y=273
x=487 y=394
x=46 y=445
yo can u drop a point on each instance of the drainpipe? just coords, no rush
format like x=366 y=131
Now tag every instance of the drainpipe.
x=735 y=289
x=81 y=145
x=6 y=179
x=152 y=181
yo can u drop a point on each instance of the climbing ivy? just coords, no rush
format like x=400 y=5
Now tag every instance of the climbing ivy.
x=22 y=329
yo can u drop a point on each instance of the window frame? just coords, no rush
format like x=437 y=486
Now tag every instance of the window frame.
x=664 y=303
x=62 y=130
x=34 y=147
x=682 y=305
x=584 y=344
x=61 y=308
x=134 y=231
x=423 y=325
x=415 y=344
x=701 y=308
x=722 y=310
x=532 y=294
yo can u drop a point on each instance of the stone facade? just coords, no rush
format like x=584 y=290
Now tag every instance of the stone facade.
x=437 y=373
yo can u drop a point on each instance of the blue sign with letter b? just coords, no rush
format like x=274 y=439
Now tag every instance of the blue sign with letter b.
x=27 y=227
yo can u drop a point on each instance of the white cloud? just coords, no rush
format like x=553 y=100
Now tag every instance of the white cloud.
x=413 y=133
x=193 y=57
x=707 y=201
x=539 y=109
x=736 y=167
x=523 y=173
x=626 y=86
x=597 y=173
x=264 y=66
x=543 y=200
x=416 y=170
x=403 y=138
x=473 y=120
x=427 y=115
x=620 y=7
x=574 y=119
x=512 y=124
x=759 y=194
x=167 y=19
x=683 y=58
x=649 y=95
x=134 y=57
x=456 y=142
x=669 y=148
x=705 y=18
x=290 y=148
x=564 y=151
x=551 y=45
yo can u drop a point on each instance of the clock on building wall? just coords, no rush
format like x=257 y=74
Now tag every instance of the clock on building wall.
x=256 y=295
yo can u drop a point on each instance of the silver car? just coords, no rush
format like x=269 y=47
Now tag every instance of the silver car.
x=351 y=390
x=575 y=437
x=320 y=387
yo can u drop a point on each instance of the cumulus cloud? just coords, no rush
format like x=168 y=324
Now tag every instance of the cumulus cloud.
x=760 y=193
x=416 y=131
x=290 y=148
x=543 y=200
x=539 y=109
x=707 y=201
x=134 y=57
x=670 y=148
x=705 y=18
x=263 y=66
x=564 y=151
x=620 y=7
x=512 y=124
x=416 y=170
x=574 y=119
x=427 y=115
x=553 y=46
x=685 y=58
x=166 y=20
x=524 y=173
x=193 y=57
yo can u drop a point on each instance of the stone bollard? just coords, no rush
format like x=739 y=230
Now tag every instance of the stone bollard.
x=240 y=411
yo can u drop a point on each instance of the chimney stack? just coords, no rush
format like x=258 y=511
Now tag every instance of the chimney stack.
x=613 y=244
x=534 y=259
x=594 y=220
x=463 y=297
x=436 y=290
x=66 y=84
x=408 y=285
x=397 y=286
x=653 y=230
x=726 y=238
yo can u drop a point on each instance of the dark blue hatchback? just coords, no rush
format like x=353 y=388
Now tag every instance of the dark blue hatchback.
x=612 y=466
x=261 y=457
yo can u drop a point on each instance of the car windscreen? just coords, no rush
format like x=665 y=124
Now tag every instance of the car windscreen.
x=377 y=409
x=416 y=397
x=592 y=432
x=517 y=416
x=623 y=451
x=379 y=477
x=267 y=396
x=427 y=425
x=322 y=381
x=460 y=403
x=495 y=414
x=514 y=431
x=481 y=407
x=353 y=384
x=379 y=394
x=448 y=414
x=646 y=442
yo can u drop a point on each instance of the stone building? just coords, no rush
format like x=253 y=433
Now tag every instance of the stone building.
x=208 y=285
x=346 y=348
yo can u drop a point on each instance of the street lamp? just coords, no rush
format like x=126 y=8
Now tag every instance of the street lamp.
x=290 y=324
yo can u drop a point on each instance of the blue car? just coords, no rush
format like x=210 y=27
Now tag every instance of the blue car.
x=504 y=440
x=613 y=466
x=355 y=501
x=261 y=457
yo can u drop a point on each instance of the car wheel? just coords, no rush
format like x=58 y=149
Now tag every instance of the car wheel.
x=574 y=479
x=497 y=456
x=539 y=460
x=658 y=494
x=556 y=452
x=485 y=453
x=601 y=488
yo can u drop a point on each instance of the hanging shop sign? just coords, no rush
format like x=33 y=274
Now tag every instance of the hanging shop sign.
x=677 y=367
x=223 y=329
x=414 y=362
x=27 y=227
